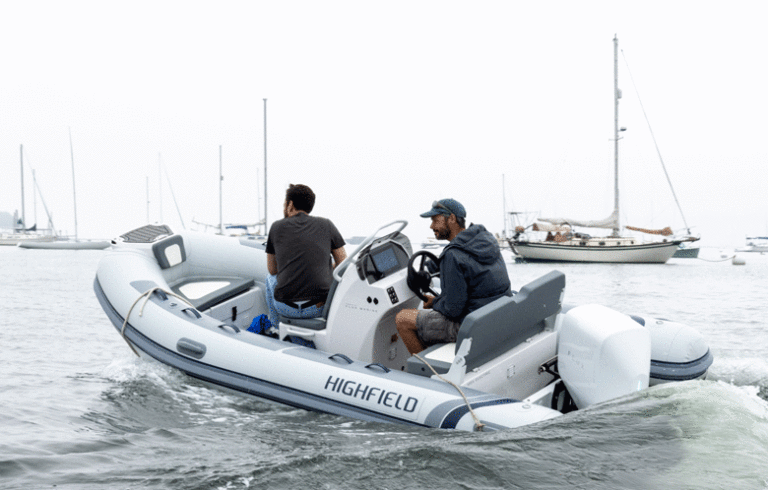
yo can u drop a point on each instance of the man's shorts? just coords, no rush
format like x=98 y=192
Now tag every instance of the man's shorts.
x=433 y=328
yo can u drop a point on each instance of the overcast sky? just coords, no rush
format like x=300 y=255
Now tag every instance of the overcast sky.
x=382 y=107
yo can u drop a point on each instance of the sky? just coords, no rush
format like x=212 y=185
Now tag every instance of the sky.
x=383 y=107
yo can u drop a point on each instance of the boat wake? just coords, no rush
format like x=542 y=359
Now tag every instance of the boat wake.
x=685 y=432
x=748 y=373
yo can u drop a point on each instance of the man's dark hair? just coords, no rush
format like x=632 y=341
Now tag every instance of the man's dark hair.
x=460 y=222
x=301 y=196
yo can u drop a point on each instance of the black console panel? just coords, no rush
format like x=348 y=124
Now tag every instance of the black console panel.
x=383 y=257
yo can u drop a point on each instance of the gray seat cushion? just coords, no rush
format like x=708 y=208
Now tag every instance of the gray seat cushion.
x=206 y=292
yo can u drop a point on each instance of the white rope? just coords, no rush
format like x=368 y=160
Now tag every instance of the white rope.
x=719 y=260
x=478 y=425
x=146 y=295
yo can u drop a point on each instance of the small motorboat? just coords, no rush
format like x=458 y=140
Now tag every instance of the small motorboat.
x=189 y=299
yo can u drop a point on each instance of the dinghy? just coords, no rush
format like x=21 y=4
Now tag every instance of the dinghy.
x=187 y=299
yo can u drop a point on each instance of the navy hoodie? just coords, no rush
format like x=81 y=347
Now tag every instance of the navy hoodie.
x=472 y=273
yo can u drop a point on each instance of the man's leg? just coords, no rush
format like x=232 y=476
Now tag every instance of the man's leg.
x=271 y=283
x=406 y=327
x=313 y=311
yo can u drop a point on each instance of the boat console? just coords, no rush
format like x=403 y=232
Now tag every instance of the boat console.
x=383 y=257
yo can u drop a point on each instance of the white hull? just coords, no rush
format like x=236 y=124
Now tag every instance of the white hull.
x=647 y=253
x=18 y=238
x=359 y=367
x=67 y=245
x=762 y=249
x=755 y=244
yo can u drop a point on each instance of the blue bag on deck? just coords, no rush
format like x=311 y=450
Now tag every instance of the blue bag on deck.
x=260 y=325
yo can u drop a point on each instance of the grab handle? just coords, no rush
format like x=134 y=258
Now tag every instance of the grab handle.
x=349 y=361
x=229 y=328
x=378 y=365
x=192 y=312
x=363 y=244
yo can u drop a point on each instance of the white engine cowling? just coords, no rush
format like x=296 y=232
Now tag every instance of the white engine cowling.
x=602 y=354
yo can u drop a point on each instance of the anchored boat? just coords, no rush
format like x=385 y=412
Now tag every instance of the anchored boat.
x=563 y=244
x=187 y=300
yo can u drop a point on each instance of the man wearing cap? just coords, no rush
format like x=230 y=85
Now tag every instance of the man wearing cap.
x=472 y=274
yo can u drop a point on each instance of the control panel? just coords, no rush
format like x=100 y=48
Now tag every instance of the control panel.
x=383 y=257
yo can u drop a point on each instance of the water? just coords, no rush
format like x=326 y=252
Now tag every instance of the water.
x=80 y=411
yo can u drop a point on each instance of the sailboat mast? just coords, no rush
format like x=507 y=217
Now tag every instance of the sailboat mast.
x=616 y=97
x=173 y=195
x=160 y=185
x=23 y=218
x=266 y=225
x=221 y=180
x=504 y=203
x=74 y=193
x=148 y=200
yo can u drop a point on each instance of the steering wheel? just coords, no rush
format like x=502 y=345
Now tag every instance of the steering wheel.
x=419 y=279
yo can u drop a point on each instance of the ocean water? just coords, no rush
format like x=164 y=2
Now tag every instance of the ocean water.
x=79 y=411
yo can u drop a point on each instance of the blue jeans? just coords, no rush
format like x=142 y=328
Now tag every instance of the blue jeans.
x=277 y=308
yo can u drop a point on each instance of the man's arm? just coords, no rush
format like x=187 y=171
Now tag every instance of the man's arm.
x=339 y=255
x=271 y=264
x=454 y=293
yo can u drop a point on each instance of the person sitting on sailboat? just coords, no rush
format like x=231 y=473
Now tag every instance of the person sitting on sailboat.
x=299 y=251
x=472 y=274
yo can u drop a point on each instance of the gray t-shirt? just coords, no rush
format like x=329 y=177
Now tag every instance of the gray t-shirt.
x=302 y=246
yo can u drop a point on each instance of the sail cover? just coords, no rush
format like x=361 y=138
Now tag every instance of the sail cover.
x=664 y=231
x=551 y=227
x=611 y=222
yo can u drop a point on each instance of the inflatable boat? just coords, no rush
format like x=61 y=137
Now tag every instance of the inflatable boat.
x=189 y=300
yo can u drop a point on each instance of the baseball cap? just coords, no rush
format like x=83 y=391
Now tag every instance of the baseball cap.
x=446 y=207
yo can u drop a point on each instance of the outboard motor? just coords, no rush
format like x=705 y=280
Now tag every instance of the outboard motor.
x=602 y=354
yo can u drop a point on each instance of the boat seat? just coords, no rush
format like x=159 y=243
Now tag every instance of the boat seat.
x=206 y=292
x=500 y=325
x=170 y=251
x=318 y=323
x=202 y=292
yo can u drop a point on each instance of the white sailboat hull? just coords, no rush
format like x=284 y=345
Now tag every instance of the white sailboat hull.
x=645 y=253
x=67 y=245
x=22 y=238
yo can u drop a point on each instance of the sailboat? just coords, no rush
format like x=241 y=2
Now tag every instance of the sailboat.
x=66 y=243
x=755 y=244
x=22 y=234
x=563 y=244
x=252 y=231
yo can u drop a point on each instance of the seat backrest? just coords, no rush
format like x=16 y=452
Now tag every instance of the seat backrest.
x=506 y=322
x=332 y=292
x=170 y=251
x=320 y=322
